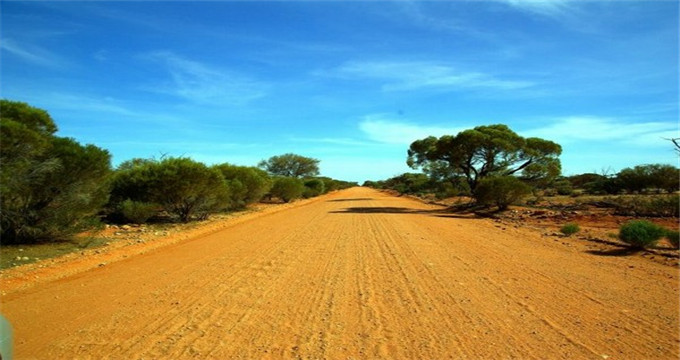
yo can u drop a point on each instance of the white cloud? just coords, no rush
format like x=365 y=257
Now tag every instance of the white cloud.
x=31 y=53
x=593 y=129
x=203 y=84
x=381 y=129
x=543 y=7
x=413 y=75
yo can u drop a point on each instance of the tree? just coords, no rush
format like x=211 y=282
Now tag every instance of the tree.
x=484 y=151
x=50 y=186
x=291 y=165
x=649 y=176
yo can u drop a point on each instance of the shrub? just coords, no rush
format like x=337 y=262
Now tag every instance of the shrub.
x=674 y=237
x=501 y=191
x=641 y=233
x=138 y=212
x=313 y=187
x=287 y=188
x=256 y=183
x=51 y=187
x=661 y=205
x=570 y=229
x=181 y=186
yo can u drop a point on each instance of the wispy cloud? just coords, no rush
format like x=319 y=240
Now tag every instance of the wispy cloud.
x=404 y=76
x=543 y=7
x=382 y=129
x=201 y=83
x=333 y=141
x=602 y=129
x=31 y=53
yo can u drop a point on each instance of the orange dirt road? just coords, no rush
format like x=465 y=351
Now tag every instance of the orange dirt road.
x=356 y=274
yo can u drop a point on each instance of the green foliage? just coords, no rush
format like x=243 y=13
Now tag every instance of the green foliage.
x=485 y=151
x=570 y=229
x=650 y=176
x=333 y=184
x=641 y=233
x=248 y=184
x=563 y=187
x=673 y=237
x=138 y=212
x=291 y=165
x=181 y=186
x=287 y=188
x=50 y=186
x=501 y=191
x=314 y=187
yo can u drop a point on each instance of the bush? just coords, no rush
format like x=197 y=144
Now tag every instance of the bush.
x=656 y=206
x=255 y=182
x=501 y=191
x=314 y=187
x=51 y=187
x=641 y=233
x=138 y=212
x=181 y=186
x=570 y=229
x=673 y=237
x=287 y=188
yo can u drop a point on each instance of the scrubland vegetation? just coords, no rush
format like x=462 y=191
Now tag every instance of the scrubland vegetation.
x=53 y=187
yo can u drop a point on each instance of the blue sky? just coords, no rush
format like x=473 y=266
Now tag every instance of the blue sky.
x=350 y=83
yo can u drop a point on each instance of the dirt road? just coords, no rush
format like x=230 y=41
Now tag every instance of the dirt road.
x=356 y=275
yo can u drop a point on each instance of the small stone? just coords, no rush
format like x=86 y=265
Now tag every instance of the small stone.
x=20 y=250
x=18 y=258
x=24 y=258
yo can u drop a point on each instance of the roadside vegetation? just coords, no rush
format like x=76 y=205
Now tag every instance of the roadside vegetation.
x=54 y=187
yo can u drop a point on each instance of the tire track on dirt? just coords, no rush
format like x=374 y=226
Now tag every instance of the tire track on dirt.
x=352 y=276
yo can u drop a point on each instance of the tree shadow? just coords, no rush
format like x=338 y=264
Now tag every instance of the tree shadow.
x=350 y=199
x=445 y=213
x=621 y=251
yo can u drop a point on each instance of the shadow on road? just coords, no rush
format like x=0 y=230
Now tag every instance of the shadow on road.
x=446 y=213
x=352 y=199
x=625 y=251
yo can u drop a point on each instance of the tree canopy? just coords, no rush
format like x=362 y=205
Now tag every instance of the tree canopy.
x=292 y=165
x=484 y=151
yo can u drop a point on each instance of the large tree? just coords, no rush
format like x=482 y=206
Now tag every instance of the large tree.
x=291 y=165
x=484 y=151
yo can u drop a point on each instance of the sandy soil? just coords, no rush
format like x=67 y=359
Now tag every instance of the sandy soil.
x=356 y=274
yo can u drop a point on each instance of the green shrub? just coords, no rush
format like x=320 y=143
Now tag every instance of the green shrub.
x=313 y=187
x=501 y=191
x=570 y=229
x=254 y=183
x=50 y=186
x=138 y=212
x=287 y=188
x=674 y=237
x=641 y=233
x=181 y=186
